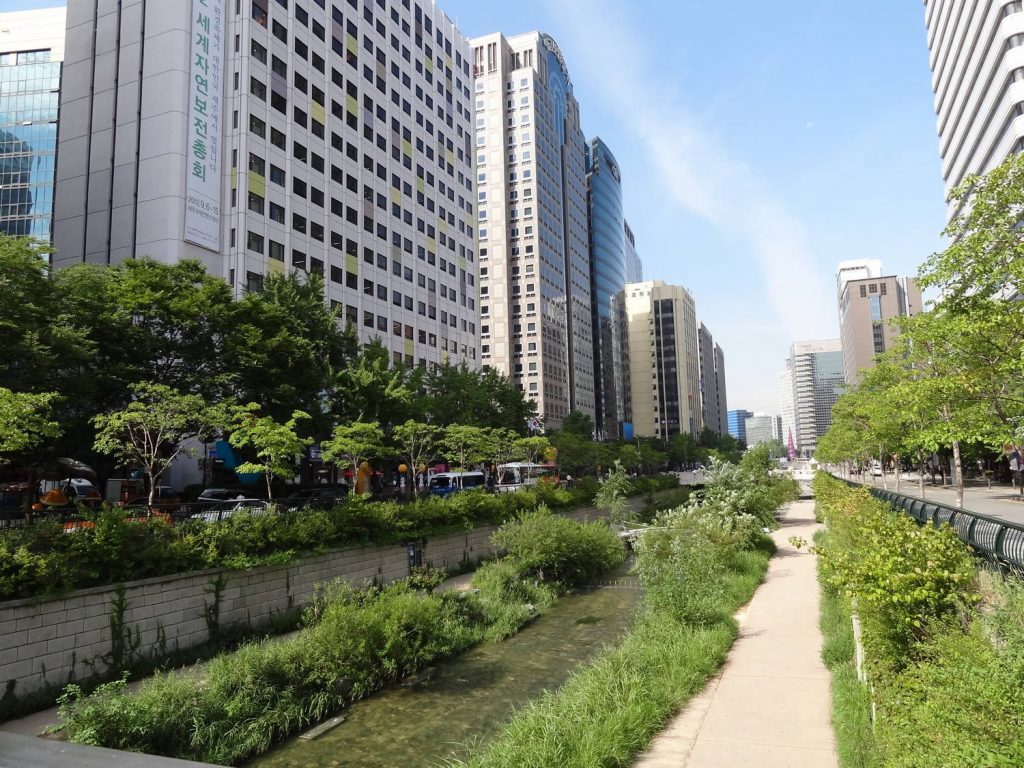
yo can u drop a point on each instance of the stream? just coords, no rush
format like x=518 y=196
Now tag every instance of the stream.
x=463 y=701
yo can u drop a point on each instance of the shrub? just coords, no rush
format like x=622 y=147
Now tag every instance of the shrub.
x=558 y=549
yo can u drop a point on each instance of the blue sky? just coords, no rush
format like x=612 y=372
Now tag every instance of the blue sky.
x=759 y=143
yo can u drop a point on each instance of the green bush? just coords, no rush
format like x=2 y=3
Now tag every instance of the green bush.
x=551 y=548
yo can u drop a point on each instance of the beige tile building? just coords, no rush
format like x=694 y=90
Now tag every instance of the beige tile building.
x=866 y=307
x=664 y=363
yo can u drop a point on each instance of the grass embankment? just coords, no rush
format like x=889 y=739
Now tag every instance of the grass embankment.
x=355 y=643
x=704 y=562
x=944 y=642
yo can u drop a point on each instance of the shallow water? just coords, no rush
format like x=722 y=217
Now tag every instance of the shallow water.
x=464 y=700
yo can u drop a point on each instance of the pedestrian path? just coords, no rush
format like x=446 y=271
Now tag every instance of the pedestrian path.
x=1000 y=501
x=769 y=706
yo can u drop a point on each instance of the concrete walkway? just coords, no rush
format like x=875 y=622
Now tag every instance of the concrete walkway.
x=999 y=501
x=769 y=706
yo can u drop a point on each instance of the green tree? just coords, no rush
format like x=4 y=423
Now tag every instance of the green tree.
x=505 y=445
x=155 y=428
x=682 y=449
x=275 y=444
x=532 y=449
x=613 y=495
x=576 y=455
x=352 y=444
x=25 y=421
x=466 y=445
x=579 y=424
x=280 y=330
x=415 y=442
x=372 y=390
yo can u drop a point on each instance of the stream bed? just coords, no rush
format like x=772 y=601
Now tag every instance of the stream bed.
x=464 y=700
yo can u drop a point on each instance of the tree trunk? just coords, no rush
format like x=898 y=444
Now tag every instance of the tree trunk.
x=152 y=486
x=881 y=464
x=896 y=469
x=959 y=470
x=269 y=476
x=920 y=473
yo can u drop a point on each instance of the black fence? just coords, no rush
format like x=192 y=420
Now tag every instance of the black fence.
x=998 y=541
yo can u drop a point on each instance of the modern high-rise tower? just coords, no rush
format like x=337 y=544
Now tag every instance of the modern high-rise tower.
x=713 y=406
x=535 y=285
x=664 y=363
x=866 y=307
x=607 y=279
x=809 y=386
x=634 y=266
x=31 y=52
x=976 y=54
x=260 y=137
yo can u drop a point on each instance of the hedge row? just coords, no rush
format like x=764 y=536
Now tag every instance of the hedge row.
x=943 y=642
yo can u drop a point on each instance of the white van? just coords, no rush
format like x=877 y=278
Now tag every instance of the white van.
x=517 y=475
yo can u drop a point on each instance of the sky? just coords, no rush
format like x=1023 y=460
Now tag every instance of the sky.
x=760 y=143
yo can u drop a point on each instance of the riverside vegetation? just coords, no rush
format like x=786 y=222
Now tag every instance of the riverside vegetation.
x=44 y=559
x=942 y=641
x=354 y=642
x=699 y=563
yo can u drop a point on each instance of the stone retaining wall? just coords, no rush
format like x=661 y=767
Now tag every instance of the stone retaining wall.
x=49 y=642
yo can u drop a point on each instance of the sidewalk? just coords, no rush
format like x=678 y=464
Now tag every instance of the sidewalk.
x=770 y=704
x=1000 y=501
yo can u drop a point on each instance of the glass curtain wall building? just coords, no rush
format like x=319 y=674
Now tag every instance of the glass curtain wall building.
x=607 y=279
x=31 y=50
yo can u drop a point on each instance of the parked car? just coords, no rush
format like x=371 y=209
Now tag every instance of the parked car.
x=164 y=497
x=321 y=496
x=220 y=494
x=242 y=506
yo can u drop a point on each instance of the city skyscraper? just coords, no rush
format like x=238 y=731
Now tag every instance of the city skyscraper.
x=535 y=285
x=607 y=279
x=664 y=364
x=264 y=137
x=866 y=307
x=976 y=57
x=713 y=404
x=761 y=428
x=634 y=266
x=809 y=386
x=737 y=422
x=31 y=52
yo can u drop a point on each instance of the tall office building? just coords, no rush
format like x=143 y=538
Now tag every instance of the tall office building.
x=31 y=52
x=976 y=54
x=664 y=363
x=607 y=279
x=737 y=423
x=866 y=307
x=761 y=428
x=809 y=386
x=260 y=137
x=634 y=266
x=535 y=284
x=856 y=269
x=713 y=405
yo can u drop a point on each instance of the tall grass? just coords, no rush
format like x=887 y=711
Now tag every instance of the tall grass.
x=851 y=700
x=608 y=711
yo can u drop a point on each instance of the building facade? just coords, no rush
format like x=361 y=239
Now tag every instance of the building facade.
x=31 y=52
x=261 y=139
x=866 y=308
x=535 y=283
x=664 y=363
x=607 y=279
x=976 y=55
x=713 y=406
x=737 y=424
x=809 y=386
x=634 y=266
x=761 y=428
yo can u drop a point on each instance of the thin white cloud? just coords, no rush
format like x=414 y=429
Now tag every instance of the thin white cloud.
x=700 y=175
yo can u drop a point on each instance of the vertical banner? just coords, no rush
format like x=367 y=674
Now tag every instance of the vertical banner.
x=202 y=153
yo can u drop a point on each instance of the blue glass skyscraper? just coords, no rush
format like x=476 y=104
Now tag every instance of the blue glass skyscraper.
x=607 y=278
x=30 y=71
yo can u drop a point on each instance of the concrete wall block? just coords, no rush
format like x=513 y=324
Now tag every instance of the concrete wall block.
x=99 y=636
x=60 y=644
x=16 y=670
x=46 y=662
x=29 y=622
x=13 y=639
x=95 y=622
x=42 y=634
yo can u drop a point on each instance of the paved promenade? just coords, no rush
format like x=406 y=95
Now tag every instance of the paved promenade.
x=999 y=501
x=769 y=706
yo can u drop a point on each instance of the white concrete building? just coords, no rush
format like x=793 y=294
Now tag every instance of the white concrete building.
x=761 y=428
x=260 y=137
x=976 y=54
x=531 y=192
x=664 y=360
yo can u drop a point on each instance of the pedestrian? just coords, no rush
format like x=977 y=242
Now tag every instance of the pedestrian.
x=568 y=481
x=1017 y=472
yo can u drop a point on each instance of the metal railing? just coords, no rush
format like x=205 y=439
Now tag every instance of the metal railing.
x=998 y=541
